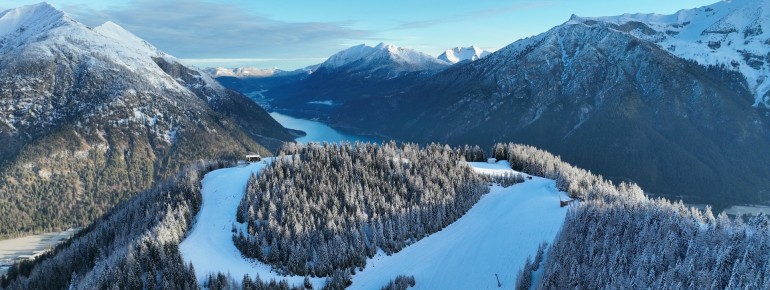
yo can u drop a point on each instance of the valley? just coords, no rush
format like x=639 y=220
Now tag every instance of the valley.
x=560 y=147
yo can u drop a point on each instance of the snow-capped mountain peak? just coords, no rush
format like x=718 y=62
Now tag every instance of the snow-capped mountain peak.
x=459 y=54
x=18 y=24
x=125 y=37
x=396 y=58
x=734 y=34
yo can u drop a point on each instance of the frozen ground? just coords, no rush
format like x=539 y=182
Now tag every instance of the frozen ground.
x=12 y=249
x=209 y=245
x=495 y=236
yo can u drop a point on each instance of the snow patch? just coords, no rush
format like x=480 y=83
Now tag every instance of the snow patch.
x=325 y=103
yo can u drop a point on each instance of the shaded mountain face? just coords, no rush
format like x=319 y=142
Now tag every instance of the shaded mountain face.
x=734 y=34
x=601 y=98
x=89 y=116
x=356 y=73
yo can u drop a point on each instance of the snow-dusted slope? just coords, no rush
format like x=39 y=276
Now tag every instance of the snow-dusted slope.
x=494 y=237
x=735 y=34
x=209 y=245
x=459 y=54
x=82 y=95
x=399 y=59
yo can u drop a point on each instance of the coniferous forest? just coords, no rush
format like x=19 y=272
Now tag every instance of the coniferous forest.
x=331 y=206
x=133 y=247
x=322 y=209
x=618 y=238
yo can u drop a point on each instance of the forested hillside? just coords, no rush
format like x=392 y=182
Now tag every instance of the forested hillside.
x=618 y=238
x=133 y=247
x=331 y=206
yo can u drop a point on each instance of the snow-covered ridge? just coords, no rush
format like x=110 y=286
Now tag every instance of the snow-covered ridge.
x=735 y=34
x=41 y=33
x=459 y=54
x=383 y=55
x=22 y=24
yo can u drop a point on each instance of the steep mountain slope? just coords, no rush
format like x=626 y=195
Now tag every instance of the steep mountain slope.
x=90 y=116
x=734 y=34
x=460 y=54
x=355 y=73
x=603 y=99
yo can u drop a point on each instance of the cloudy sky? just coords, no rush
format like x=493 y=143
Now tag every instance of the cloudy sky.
x=290 y=34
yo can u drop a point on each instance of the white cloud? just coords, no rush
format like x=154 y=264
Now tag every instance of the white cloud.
x=194 y=29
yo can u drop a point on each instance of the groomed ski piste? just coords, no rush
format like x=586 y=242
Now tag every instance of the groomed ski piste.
x=209 y=245
x=494 y=237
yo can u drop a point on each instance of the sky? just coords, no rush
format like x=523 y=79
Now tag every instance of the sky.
x=291 y=34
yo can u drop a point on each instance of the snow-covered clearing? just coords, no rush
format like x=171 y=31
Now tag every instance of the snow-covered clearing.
x=495 y=236
x=498 y=168
x=209 y=245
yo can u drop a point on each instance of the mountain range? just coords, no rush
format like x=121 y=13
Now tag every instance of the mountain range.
x=90 y=116
x=676 y=103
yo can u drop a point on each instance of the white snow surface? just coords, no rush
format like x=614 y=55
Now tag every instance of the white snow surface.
x=364 y=56
x=495 y=236
x=459 y=54
x=209 y=244
x=731 y=33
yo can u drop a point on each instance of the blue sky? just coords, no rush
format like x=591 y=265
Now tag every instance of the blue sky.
x=290 y=34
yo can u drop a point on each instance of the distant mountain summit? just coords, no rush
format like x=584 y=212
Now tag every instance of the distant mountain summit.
x=89 y=116
x=460 y=54
x=243 y=72
x=734 y=34
x=383 y=57
x=354 y=74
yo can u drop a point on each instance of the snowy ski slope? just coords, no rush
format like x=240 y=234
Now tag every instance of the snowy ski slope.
x=495 y=236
